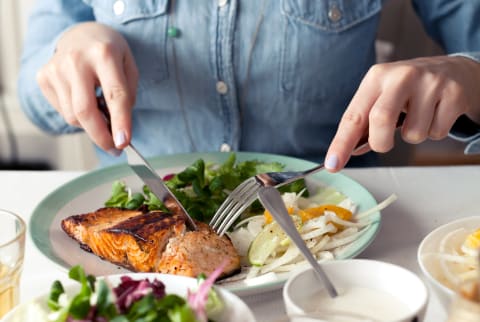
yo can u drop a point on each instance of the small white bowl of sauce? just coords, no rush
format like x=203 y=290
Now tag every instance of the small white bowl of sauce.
x=368 y=290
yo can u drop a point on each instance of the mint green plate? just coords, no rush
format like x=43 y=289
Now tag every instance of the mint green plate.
x=88 y=193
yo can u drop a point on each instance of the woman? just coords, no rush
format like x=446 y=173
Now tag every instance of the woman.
x=294 y=77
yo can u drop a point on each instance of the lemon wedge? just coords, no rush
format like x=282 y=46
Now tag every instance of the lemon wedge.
x=268 y=240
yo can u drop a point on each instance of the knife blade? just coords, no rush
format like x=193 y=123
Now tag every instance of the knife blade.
x=147 y=174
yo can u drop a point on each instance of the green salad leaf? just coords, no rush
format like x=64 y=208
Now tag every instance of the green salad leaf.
x=97 y=301
x=119 y=196
x=202 y=187
x=55 y=292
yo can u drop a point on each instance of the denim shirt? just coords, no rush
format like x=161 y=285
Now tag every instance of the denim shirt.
x=269 y=76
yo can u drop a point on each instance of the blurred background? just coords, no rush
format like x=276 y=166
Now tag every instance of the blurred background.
x=23 y=146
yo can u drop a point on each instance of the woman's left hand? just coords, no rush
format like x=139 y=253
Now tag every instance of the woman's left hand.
x=433 y=92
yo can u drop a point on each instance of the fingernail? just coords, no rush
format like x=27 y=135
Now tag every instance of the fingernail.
x=115 y=152
x=331 y=162
x=120 y=138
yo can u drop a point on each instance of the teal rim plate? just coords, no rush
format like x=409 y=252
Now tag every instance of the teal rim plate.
x=89 y=192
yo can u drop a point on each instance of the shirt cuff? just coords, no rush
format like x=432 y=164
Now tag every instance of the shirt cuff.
x=465 y=130
x=472 y=55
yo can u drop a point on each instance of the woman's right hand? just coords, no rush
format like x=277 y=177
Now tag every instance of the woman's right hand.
x=87 y=56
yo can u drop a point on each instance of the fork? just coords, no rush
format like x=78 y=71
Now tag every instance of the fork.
x=246 y=193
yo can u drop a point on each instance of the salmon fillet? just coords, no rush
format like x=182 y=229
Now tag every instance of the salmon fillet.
x=152 y=241
x=196 y=252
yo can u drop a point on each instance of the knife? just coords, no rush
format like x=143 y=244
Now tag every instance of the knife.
x=147 y=174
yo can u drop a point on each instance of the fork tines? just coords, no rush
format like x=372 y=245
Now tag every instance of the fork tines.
x=237 y=201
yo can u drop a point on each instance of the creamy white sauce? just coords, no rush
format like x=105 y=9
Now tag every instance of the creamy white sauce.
x=367 y=302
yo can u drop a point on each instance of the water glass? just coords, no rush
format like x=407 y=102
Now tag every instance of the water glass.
x=12 y=248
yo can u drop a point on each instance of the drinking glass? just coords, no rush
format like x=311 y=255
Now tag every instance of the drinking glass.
x=12 y=248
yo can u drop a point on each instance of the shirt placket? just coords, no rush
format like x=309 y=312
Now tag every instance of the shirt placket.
x=222 y=62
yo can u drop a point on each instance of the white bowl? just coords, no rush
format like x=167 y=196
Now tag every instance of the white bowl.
x=235 y=309
x=430 y=265
x=398 y=287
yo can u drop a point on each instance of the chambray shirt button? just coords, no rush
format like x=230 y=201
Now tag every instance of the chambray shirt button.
x=225 y=148
x=222 y=3
x=173 y=32
x=222 y=88
x=118 y=7
x=334 y=14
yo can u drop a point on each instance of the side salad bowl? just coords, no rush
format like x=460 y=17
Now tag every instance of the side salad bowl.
x=231 y=308
x=444 y=257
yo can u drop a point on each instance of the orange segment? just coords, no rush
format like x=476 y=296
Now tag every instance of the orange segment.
x=341 y=212
x=268 y=215
x=309 y=213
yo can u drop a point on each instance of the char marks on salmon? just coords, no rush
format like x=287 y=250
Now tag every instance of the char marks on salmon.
x=152 y=241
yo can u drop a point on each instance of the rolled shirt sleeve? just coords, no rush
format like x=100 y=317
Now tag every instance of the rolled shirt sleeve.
x=49 y=19
x=471 y=55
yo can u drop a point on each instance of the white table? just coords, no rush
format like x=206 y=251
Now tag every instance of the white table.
x=427 y=197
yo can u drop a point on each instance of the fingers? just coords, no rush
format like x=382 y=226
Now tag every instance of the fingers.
x=433 y=92
x=383 y=118
x=131 y=73
x=47 y=88
x=445 y=116
x=118 y=79
x=353 y=126
x=86 y=111
x=87 y=56
x=421 y=111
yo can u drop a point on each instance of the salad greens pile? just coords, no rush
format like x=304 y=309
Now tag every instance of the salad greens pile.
x=201 y=187
x=132 y=300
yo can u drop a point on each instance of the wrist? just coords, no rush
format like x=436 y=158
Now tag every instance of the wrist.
x=470 y=65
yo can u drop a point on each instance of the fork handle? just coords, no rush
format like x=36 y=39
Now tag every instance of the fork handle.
x=279 y=179
x=103 y=108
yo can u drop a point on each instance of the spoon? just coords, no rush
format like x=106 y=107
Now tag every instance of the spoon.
x=272 y=201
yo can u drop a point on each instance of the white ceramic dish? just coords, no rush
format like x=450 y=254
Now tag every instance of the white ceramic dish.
x=393 y=282
x=430 y=265
x=89 y=192
x=235 y=309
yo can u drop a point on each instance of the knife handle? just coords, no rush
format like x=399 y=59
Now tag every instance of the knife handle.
x=103 y=108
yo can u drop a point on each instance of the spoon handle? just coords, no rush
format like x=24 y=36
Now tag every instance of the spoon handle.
x=272 y=201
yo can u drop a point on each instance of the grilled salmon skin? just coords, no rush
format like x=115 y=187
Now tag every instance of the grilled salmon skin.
x=152 y=241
